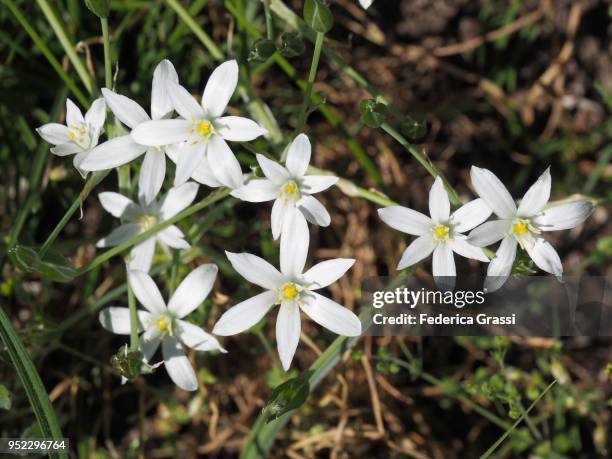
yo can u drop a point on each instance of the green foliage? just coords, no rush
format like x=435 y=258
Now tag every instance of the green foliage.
x=292 y=44
x=373 y=113
x=318 y=16
x=262 y=50
x=5 y=398
x=100 y=8
x=52 y=266
x=412 y=128
x=289 y=396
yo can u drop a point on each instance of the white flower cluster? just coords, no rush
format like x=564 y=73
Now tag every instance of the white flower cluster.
x=442 y=234
x=196 y=141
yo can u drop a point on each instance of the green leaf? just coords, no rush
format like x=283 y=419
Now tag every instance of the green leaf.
x=100 y=8
x=318 y=16
x=53 y=266
x=5 y=398
x=373 y=113
x=262 y=50
x=292 y=44
x=287 y=397
x=24 y=258
x=30 y=379
x=413 y=129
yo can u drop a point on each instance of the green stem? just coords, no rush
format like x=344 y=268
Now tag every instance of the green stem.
x=423 y=161
x=269 y=24
x=60 y=32
x=133 y=314
x=314 y=65
x=108 y=66
x=95 y=178
x=44 y=49
x=207 y=201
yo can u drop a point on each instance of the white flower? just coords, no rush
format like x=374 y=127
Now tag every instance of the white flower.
x=79 y=135
x=289 y=187
x=163 y=324
x=203 y=132
x=522 y=226
x=290 y=289
x=138 y=218
x=440 y=234
x=121 y=150
x=365 y=4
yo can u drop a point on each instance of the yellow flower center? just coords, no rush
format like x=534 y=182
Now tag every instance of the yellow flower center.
x=290 y=188
x=205 y=128
x=163 y=325
x=520 y=228
x=78 y=134
x=145 y=221
x=289 y=291
x=441 y=231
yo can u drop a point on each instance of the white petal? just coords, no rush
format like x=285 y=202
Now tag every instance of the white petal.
x=184 y=103
x=500 y=266
x=564 y=216
x=147 y=292
x=406 y=220
x=536 y=197
x=257 y=190
x=327 y=272
x=168 y=237
x=439 y=204
x=418 y=250
x=493 y=191
x=294 y=245
x=148 y=346
x=365 y=4
x=189 y=158
x=193 y=290
x=117 y=205
x=255 y=270
x=443 y=267
x=161 y=100
x=278 y=217
x=238 y=129
x=125 y=109
x=78 y=160
x=298 y=156
x=489 y=233
x=333 y=316
x=54 y=133
x=66 y=149
x=272 y=170
x=177 y=365
x=96 y=115
x=314 y=211
x=467 y=250
x=118 y=235
x=161 y=132
x=244 y=315
x=177 y=199
x=141 y=255
x=470 y=215
x=194 y=337
x=117 y=320
x=152 y=173
x=220 y=87
x=315 y=183
x=544 y=256
x=113 y=153
x=287 y=332
x=203 y=174
x=223 y=163
x=73 y=114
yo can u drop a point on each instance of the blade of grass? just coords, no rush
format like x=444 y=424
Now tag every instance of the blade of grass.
x=30 y=379
x=44 y=49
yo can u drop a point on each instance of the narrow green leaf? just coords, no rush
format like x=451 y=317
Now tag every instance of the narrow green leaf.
x=318 y=16
x=100 y=8
x=5 y=398
x=287 y=397
x=52 y=266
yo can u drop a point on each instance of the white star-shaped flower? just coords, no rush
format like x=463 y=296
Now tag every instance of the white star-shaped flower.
x=203 y=131
x=292 y=290
x=441 y=234
x=79 y=135
x=163 y=324
x=523 y=225
x=138 y=218
x=365 y=4
x=289 y=187
x=121 y=150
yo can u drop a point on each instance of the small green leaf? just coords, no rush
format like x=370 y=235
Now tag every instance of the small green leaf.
x=129 y=363
x=413 y=129
x=292 y=44
x=100 y=8
x=373 y=113
x=318 y=15
x=24 y=258
x=262 y=50
x=53 y=266
x=287 y=397
x=5 y=398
